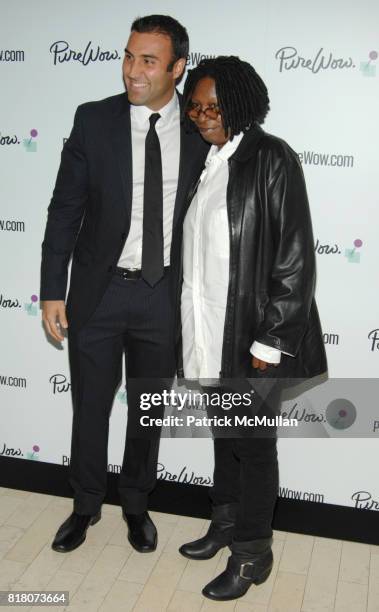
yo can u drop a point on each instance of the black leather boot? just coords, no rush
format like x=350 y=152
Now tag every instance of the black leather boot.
x=250 y=563
x=72 y=532
x=220 y=534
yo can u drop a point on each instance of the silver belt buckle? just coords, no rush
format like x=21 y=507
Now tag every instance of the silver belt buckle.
x=126 y=275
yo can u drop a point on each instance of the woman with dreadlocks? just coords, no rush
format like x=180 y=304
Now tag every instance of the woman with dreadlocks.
x=247 y=307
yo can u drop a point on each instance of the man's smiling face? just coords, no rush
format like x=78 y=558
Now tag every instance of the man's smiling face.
x=145 y=69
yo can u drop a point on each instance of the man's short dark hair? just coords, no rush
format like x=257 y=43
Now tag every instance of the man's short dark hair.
x=241 y=93
x=164 y=24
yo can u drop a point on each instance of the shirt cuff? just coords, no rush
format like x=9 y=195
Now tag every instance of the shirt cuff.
x=265 y=353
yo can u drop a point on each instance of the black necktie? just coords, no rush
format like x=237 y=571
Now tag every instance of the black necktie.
x=152 y=237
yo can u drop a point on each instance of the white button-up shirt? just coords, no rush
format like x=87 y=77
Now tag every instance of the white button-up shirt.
x=206 y=271
x=168 y=130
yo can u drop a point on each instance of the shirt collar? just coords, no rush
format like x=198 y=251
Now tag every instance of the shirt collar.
x=141 y=114
x=226 y=151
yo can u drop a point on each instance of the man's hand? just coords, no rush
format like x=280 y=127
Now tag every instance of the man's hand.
x=259 y=364
x=54 y=318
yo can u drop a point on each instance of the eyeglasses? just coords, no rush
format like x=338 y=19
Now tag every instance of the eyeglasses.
x=212 y=111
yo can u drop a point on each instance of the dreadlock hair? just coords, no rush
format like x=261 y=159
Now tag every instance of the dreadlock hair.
x=241 y=94
x=164 y=24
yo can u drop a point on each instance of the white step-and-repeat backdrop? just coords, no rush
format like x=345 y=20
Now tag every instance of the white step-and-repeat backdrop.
x=320 y=63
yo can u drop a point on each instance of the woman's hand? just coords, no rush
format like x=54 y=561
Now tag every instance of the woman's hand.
x=259 y=364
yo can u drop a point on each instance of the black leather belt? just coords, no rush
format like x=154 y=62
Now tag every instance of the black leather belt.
x=131 y=274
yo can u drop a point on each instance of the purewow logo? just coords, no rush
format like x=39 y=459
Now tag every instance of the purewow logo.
x=353 y=255
x=364 y=500
x=195 y=57
x=9 y=451
x=29 y=143
x=12 y=55
x=374 y=339
x=185 y=475
x=59 y=383
x=289 y=58
x=330 y=338
x=368 y=68
x=62 y=52
x=31 y=307
x=336 y=160
x=33 y=454
x=8 y=303
x=326 y=249
x=8 y=141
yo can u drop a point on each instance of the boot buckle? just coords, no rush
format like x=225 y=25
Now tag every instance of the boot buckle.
x=242 y=567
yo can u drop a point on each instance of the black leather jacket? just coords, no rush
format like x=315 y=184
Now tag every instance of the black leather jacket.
x=272 y=262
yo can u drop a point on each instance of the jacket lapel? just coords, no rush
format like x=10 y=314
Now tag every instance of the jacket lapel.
x=120 y=133
x=186 y=155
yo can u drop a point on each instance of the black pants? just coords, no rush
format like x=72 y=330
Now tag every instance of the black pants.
x=137 y=319
x=246 y=472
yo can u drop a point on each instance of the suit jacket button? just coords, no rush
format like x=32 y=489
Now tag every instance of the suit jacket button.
x=123 y=236
x=110 y=268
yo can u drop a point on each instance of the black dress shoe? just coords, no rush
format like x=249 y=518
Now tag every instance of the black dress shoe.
x=250 y=563
x=72 y=532
x=142 y=533
x=219 y=534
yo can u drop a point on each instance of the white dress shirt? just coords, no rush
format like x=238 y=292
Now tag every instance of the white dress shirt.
x=206 y=271
x=168 y=130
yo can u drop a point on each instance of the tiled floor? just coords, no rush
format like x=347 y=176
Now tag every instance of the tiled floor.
x=106 y=574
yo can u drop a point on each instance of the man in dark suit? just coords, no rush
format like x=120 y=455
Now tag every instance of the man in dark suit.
x=117 y=206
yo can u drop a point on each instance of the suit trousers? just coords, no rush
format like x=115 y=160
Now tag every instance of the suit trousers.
x=246 y=472
x=135 y=319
